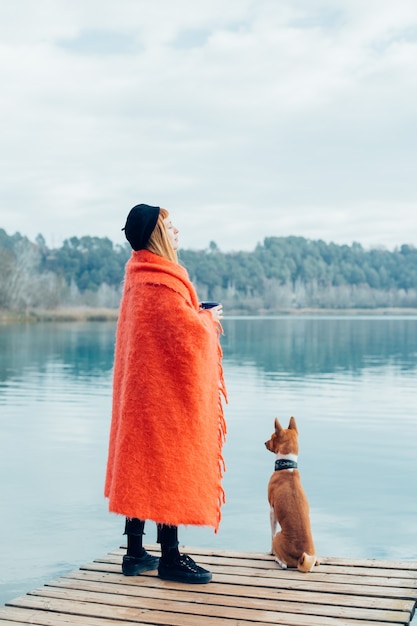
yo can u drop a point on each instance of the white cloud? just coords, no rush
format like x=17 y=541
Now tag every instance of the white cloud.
x=246 y=119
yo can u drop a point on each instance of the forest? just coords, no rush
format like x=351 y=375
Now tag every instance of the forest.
x=281 y=274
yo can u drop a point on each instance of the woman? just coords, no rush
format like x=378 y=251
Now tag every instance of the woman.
x=165 y=454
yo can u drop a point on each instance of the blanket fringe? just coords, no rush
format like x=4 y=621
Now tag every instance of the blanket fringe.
x=222 y=433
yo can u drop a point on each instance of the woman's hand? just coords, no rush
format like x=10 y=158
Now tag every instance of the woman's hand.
x=217 y=312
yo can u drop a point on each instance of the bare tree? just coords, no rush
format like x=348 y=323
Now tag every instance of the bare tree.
x=20 y=284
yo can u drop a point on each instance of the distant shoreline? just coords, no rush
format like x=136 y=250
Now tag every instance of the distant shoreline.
x=91 y=314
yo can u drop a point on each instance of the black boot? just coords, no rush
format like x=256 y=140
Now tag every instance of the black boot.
x=173 y=565
x=136 y=560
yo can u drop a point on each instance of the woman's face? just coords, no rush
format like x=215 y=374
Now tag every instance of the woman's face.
x=172 y=233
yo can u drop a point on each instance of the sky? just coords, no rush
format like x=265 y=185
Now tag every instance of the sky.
x=244 y=118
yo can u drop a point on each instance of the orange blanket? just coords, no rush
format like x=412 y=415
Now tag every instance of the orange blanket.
x=165 y=454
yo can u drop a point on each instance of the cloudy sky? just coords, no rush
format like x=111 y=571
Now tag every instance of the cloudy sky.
x=245 y=118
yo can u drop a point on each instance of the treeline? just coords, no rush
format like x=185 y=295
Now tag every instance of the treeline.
x=281 y=273
x=86 y=271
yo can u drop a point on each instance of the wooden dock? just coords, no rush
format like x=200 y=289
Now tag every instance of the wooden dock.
x=248 y=589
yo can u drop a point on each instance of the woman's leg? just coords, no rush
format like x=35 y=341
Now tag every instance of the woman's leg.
x=135 y=529
x=136 y=560
x=168 y=538
x=173 y=565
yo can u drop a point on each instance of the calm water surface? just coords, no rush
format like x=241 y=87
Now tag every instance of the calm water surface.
x=350 y=382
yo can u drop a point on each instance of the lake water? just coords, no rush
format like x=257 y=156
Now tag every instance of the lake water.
x=351 y=383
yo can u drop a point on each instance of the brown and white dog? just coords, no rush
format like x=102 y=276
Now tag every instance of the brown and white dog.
x=293 y=546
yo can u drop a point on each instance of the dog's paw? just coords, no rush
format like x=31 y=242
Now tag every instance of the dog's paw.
x=281 y=563
x=306 y=562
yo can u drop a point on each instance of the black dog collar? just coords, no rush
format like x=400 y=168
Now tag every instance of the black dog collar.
x=281 y=464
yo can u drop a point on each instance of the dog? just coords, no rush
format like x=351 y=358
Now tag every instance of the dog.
x=293 y=546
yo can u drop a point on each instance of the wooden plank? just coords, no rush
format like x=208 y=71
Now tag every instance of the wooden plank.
x=262 y=556
x=285 y=578
x=145 y=585
x=185 y=615
x=17 y=616
x=270 y=569
x=403 y=569
x=160 y=598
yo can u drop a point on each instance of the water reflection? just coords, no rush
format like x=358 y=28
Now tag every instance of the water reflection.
x=84 y=349
x=294 y=345
x=301 y=345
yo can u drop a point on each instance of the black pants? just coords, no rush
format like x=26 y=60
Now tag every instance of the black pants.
x=135 y=529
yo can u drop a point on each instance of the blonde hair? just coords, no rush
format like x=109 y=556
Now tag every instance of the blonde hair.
x=159 y=242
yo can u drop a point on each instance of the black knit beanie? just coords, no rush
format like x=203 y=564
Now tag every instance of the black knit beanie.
x=140 y=224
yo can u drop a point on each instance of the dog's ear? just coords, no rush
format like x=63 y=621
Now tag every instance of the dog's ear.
x=292 y=424
x=278 y=427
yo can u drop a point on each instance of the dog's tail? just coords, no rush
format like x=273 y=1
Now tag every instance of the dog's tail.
x=306 y=562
